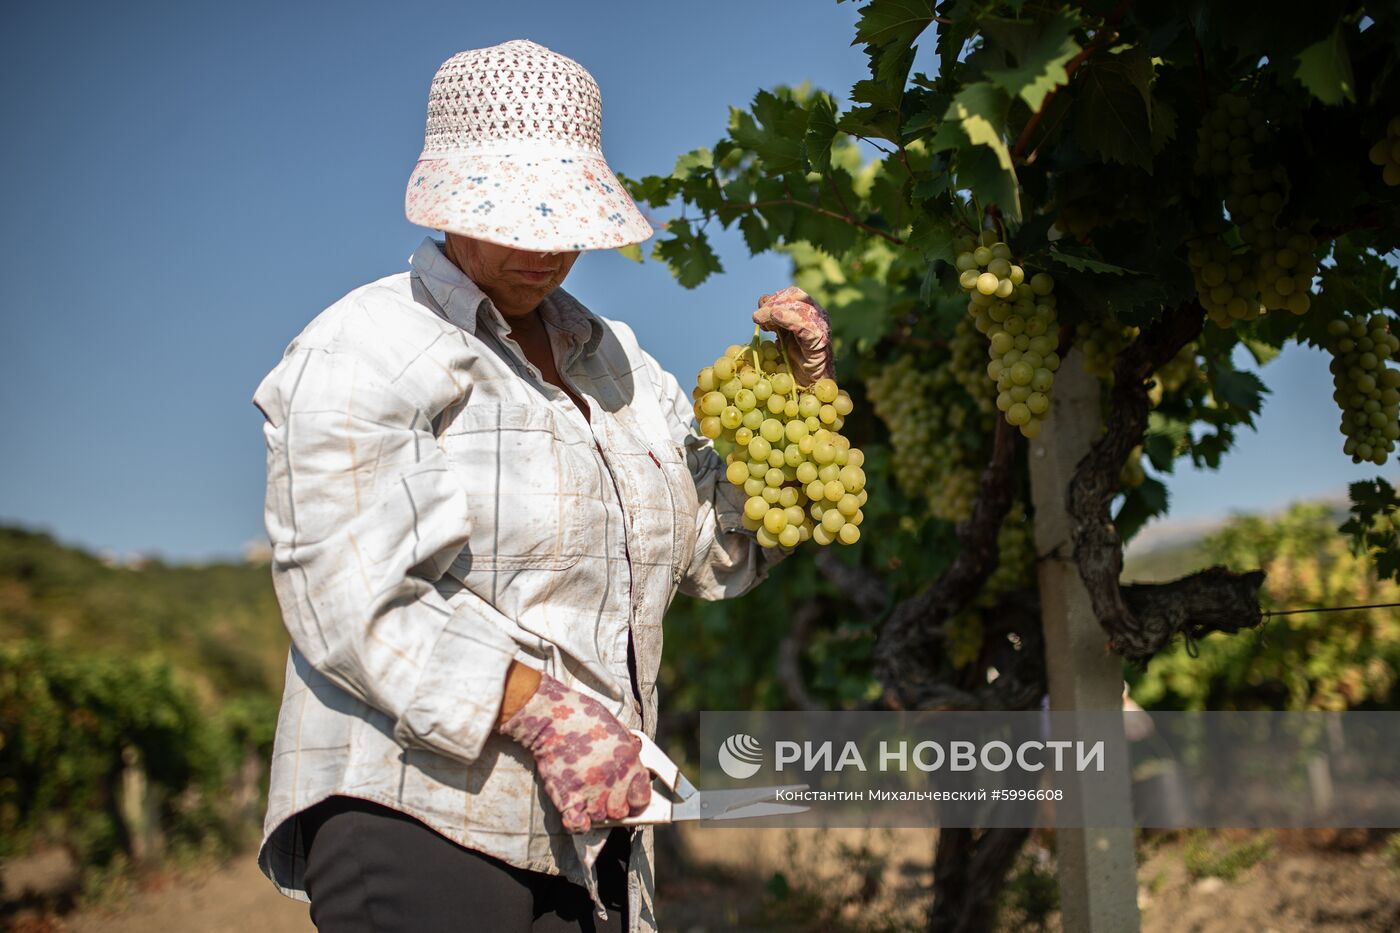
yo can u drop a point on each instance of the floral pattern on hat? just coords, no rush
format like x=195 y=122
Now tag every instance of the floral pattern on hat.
x=512 y=154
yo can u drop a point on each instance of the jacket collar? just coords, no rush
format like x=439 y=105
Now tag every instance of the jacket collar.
x=463 y=303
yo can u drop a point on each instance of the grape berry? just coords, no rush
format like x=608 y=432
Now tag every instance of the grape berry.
x=1386 y=153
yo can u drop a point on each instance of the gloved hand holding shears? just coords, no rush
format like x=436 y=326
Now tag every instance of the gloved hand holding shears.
x=598 y=773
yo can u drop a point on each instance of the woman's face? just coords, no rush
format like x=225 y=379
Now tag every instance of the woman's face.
x=517 y=280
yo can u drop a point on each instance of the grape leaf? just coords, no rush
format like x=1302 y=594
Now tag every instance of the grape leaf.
x=888 y=29
x=773 y=131
x=1113 y=118
x=687 y=163
x=1324 y=68
x=933 y=236
x=973 y=125
x=758 y=236
x=1241 y=390
x=632 y=251
x=1040 y=65
x=1261 y=351
x=831 y=234
x=688 y=253
x=1165 y=435
x=981 y=111
x=821 y=130
x=1132 y=299
x=1140 y=504
x=1082 y=263
x=979 y=171
x=879 y=118
x=779 y=216
x=655 y=190
x=1163 y=124
x=1370 y=500
x=925 y=109
x=893 y=22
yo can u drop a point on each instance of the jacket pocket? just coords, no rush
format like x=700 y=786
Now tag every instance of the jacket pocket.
x=685 y=504
x=521 y=477
x=663 y=488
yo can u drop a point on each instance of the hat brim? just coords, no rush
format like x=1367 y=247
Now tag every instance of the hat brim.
x=543 y=203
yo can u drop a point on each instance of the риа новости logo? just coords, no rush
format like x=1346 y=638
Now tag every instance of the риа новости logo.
x=740 y=756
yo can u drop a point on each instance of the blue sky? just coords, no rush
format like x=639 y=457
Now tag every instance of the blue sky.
x=187 y=184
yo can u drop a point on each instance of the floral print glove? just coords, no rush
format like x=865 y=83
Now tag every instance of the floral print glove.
x=804 y=330
x=587 y=760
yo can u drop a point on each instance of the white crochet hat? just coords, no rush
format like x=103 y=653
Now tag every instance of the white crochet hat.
x=513 y=155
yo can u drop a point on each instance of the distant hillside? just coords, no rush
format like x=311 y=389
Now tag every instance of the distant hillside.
x=1169 y=549
x=218 y=623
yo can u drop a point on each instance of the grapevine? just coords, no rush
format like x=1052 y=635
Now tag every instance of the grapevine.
x=782 y=445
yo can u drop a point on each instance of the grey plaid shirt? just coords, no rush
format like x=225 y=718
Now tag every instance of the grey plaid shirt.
x=436 y=509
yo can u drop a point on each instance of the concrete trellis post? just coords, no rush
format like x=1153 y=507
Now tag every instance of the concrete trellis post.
x=1097 y=866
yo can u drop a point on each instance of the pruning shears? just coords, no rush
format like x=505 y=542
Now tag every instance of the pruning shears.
x=674 y=798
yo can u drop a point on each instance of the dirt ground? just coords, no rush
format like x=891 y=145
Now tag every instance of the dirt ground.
x=809 y=880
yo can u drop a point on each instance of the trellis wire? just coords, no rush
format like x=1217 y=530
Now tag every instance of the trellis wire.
x=1193 y=648
x=1289 y=612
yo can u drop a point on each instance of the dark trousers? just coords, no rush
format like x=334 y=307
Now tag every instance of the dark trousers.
x=371 y=869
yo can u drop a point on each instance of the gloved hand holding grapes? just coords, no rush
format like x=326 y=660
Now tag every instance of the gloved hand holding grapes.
x=803 y=329
x=586 y=759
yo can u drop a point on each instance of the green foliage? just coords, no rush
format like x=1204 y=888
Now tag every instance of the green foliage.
x=1031 y=894
x=1071 y=129
x=1329 y=661
x=173 y=671
x=1325 y=69
x=1375 y=525
x=71 y=723
x=1207 y=855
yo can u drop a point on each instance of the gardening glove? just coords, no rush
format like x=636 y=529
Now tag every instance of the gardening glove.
x=803 y=329
x=588 y=761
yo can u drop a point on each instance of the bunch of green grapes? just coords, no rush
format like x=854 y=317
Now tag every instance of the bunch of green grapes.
x=1015 y=557
x=924 y=410
x=1174 y=374
x=1225 y=282
x=1256 y=200
x=1100 y=342
x=782 y=445
x=1017 y=314
x=968 y=350
x=1228 y=135
x=1386 y=153
x=1015 y=570
x=1275 y=269
x=1287 y=265
x=1366 y=389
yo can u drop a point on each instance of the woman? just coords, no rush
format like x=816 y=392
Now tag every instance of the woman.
x=481 y=499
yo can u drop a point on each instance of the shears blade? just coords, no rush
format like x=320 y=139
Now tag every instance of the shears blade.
x=674 y=798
